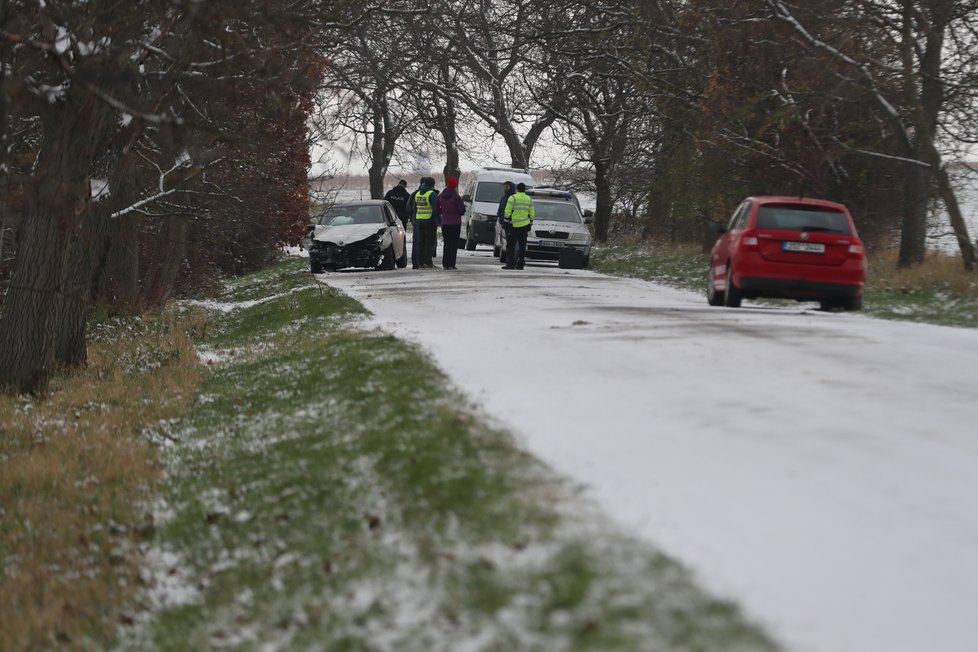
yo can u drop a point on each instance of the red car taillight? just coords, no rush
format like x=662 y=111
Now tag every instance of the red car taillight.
x=748 y=240
x=855 y=250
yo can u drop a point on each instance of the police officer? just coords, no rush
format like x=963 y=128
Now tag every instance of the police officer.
x=422 y=209
x=399 y=197
x=520 y=213
x=509 y=189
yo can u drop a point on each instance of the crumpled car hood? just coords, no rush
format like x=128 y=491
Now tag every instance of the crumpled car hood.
x=346 y=233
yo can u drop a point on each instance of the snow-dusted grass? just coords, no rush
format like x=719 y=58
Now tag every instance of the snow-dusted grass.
x=74 y=471
x=936 y=292
x=330 y=491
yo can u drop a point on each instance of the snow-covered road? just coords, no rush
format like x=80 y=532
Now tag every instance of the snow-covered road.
x=820 y=469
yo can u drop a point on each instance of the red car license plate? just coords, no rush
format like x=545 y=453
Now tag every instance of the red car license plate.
x=804 y=247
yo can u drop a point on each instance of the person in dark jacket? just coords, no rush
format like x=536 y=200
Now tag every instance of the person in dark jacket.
x=421 y=209
x=451 y=208
x=399 y=197
x=509 y=189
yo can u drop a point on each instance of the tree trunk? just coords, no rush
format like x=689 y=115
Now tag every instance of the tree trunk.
x=913 y=231
x=70 y=348
x=32 y=309
x=170 y=254
x=602 y=212
x=955 y=216
x=118 y=267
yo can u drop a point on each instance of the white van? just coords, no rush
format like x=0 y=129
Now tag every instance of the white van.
x=482 y=195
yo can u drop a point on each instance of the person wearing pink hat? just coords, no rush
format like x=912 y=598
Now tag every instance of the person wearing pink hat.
x=452 y=208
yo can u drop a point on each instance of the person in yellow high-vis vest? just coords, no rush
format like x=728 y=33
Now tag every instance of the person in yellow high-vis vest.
x=520 y=213
x=423 y=209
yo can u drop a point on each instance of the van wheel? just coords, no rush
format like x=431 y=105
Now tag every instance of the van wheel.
x=495 y=251
x=469 y=243
x=732 y=296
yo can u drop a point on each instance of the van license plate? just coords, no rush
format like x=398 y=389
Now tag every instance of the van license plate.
x=550 y=243
x=804 y=247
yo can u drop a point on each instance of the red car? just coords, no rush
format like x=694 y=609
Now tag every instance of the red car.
x=788 y=247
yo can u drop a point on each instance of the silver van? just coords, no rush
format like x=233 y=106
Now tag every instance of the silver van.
x=482 y=195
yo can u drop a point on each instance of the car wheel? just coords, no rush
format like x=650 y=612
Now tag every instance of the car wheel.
x=402 y=261
x=469 y=240
x=732 y=296
x=387 y=262
x=315 y=266
x=713 y=297
x=495 y=250
x=855 y=303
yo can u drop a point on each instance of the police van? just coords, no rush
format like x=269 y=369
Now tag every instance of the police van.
x=482 y=195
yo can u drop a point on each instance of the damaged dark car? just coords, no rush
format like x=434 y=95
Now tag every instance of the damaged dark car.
x=358 y=234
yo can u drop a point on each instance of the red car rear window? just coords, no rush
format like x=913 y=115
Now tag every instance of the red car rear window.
x=802 y=217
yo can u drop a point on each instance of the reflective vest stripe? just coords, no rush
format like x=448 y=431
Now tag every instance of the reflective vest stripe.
x=519 y=209
x=423 y=207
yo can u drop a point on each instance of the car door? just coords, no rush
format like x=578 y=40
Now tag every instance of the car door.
x=395 y=229
x=723 y=249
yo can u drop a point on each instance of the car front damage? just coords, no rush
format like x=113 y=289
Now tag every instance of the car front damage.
x=348 y=246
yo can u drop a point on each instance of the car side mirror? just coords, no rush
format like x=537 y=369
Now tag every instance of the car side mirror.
x=588 y=219
x=588 y=213
x=716 y=228
x=467 y=198
x=310 y=228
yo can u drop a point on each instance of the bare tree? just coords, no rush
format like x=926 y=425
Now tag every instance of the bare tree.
x=83 y=75
x=492 y=41
x=935 y=60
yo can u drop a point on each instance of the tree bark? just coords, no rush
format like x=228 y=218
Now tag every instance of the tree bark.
x=602 y=209
x=70 y=348
x=32 y=310
x=170 y=254
x=913 y=230
x=118 y=267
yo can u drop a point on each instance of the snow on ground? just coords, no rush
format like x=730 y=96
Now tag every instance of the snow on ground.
x=818 y=468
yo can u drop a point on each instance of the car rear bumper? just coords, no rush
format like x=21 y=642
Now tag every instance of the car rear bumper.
x=798 y=288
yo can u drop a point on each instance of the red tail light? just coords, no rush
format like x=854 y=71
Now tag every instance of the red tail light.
x=748 y=240
x=856 y=250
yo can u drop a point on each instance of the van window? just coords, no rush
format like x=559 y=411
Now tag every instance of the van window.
x=491 y=191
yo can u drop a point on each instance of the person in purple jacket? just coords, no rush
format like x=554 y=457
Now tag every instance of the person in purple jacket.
x=452 y=208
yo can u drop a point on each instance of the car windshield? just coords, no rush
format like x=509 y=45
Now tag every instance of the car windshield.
x=800 y=217
x=556 y=211
x=340 y=215
x=489 y=191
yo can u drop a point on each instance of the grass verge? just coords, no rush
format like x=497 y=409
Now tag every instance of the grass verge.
x=74 y=469
x=937 y=292
x=328 y=491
